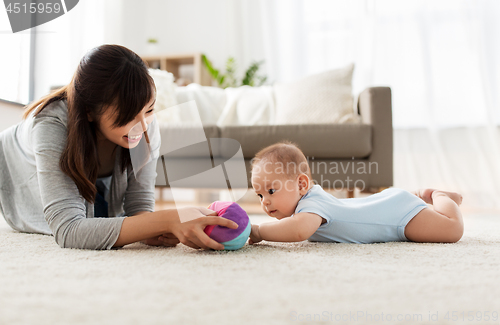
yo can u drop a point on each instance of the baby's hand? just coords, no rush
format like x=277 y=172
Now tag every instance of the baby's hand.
x=255 y=235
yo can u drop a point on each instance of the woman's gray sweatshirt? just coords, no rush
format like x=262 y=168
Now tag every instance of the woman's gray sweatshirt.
x=37 y=197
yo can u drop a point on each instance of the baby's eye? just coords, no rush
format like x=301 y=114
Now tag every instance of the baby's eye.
x=259 y=195
x=272 y=191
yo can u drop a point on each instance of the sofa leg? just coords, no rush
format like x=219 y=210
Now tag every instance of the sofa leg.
x=350 y=193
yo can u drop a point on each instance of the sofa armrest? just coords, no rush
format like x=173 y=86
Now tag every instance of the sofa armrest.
x=375 y=108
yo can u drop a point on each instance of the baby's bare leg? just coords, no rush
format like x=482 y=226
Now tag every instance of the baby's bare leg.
x=442 y=224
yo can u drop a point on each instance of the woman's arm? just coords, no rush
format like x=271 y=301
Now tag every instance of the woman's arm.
x=191 y=233
x=143 y=225
x=294 y=229
x=165 y=239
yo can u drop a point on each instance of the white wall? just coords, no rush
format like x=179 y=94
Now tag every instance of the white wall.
x=213 y=27
x=62 y=42
x=11 y=114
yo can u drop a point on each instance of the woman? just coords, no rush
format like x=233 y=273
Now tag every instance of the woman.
x=66 y=168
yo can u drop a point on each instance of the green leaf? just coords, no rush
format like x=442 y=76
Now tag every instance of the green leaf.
x=250 y=73
x=262 y=80
x=228 y=79
x=214 y=73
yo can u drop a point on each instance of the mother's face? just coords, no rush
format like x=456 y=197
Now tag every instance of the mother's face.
x=127 y=136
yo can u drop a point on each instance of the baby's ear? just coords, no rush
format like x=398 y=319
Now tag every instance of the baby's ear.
x=303 y=183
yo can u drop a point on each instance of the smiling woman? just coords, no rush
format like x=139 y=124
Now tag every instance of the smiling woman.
x=66 y=169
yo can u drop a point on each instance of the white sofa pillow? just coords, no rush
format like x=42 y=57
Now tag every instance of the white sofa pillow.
x=248 y=106
x=207 y=106
x=165 y=89
x=209 y=101
x=318 y=99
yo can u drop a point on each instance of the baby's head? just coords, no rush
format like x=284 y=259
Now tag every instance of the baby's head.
x=280 y=177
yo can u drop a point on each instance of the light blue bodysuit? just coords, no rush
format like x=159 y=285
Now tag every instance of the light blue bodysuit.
x=381 y=217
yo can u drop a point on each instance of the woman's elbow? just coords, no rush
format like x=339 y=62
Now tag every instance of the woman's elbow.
x=63 y=241
x=68 y=239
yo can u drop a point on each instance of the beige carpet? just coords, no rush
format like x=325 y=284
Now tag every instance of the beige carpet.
x=270 y=283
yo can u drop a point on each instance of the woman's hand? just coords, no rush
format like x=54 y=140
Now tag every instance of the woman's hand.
x=190 y=226
x=168 y=240
x=255 y=235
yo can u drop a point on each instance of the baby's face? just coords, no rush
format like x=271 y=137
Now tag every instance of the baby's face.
x=278 y=193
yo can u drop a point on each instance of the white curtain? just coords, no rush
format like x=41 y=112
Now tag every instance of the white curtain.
x=62 y=42
x=441 y=59
x=14 y=62
x=59 y=46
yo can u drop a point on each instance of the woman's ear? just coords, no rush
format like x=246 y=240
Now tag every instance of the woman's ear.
x=303 y=184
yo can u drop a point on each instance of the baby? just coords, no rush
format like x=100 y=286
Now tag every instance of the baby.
x=281 y=179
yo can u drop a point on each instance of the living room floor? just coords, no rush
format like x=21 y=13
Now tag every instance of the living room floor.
x=268 y=283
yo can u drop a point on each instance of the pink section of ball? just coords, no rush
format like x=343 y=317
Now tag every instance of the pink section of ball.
x=219 y=207
x=208 y=229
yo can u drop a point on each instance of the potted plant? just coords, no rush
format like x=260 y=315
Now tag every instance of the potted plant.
x=228 y=78
x=152 y=46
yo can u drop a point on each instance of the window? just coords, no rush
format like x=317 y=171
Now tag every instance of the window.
x=14 y=62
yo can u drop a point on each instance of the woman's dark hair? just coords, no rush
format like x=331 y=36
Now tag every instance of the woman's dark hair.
x=107 y=76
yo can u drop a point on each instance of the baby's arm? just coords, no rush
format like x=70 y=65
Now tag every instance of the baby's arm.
x=294 y=229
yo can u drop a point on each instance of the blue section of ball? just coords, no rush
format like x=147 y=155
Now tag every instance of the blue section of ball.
x=239 y=241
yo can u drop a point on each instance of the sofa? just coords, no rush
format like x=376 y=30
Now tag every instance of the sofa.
x=341 y=156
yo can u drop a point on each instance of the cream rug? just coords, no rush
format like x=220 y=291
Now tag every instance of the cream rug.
x=269 y=283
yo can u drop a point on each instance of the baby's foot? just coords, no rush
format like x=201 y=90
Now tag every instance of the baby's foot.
x=426 y=195
x=452 y=195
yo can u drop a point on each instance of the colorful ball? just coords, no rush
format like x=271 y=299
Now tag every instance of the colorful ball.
x=232 y=239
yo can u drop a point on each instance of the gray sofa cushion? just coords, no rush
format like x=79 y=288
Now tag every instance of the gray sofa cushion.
x=171 y=135
x=316 y=140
